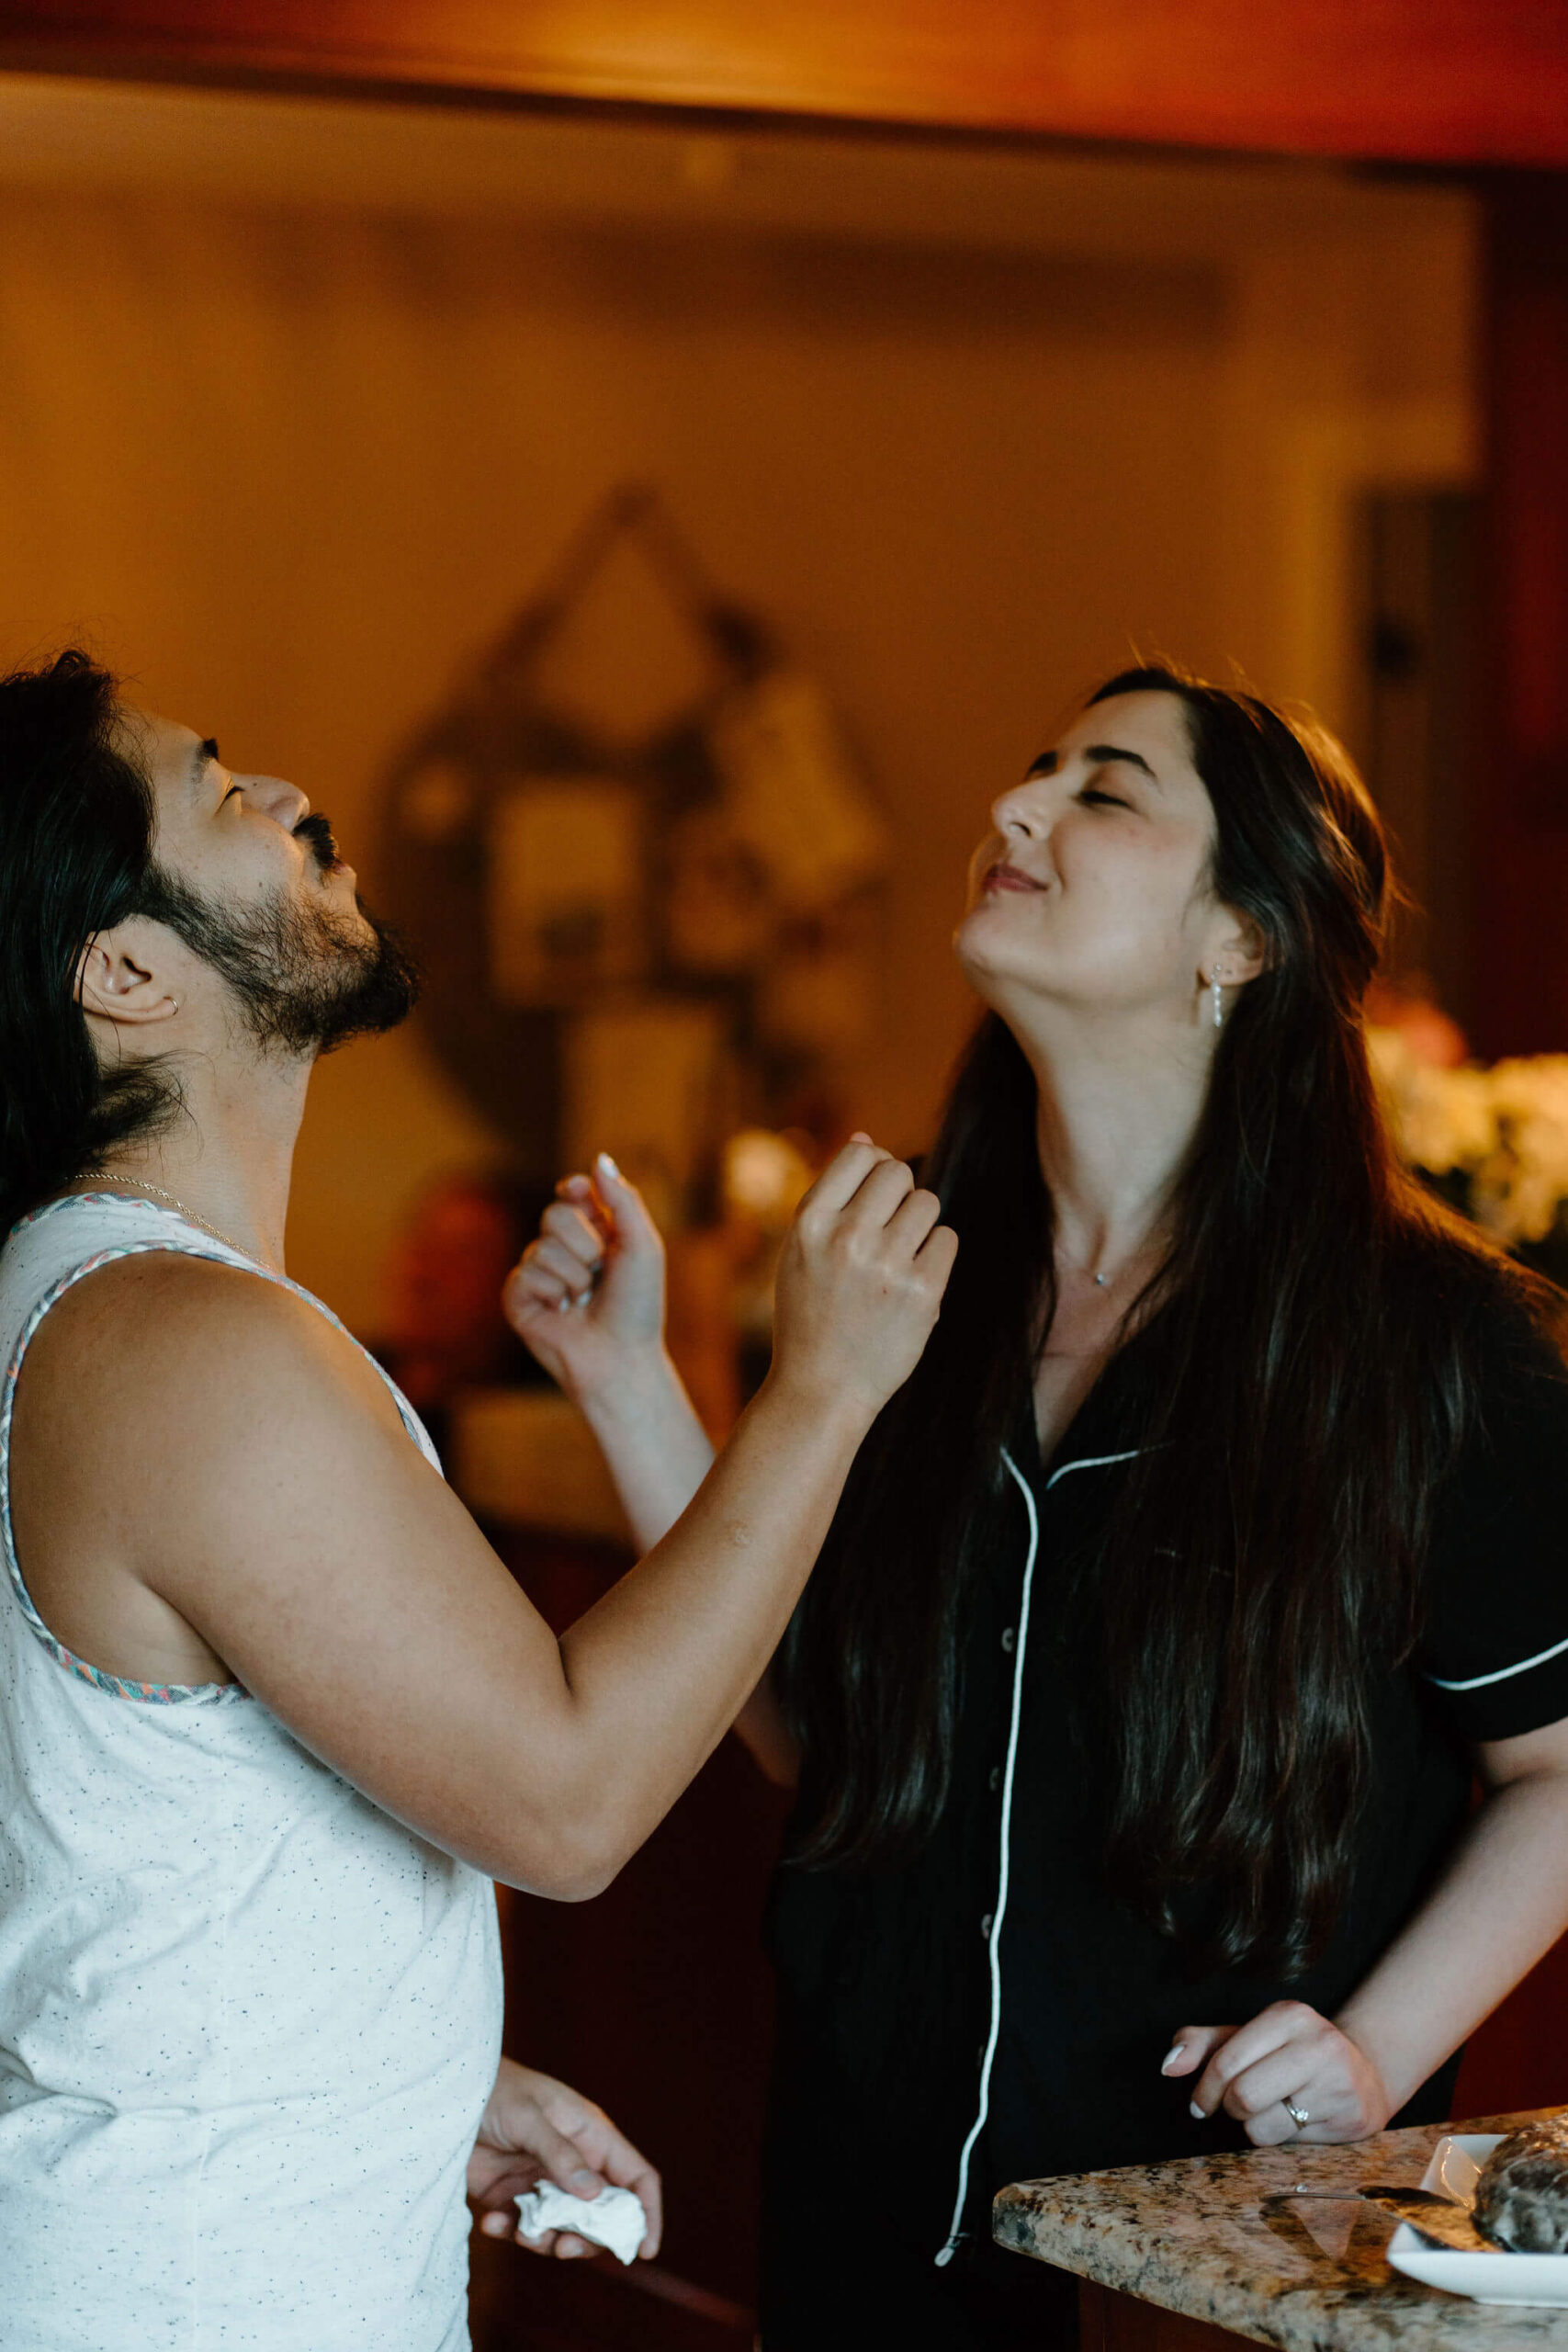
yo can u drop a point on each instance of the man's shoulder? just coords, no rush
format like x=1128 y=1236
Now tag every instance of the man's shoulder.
x=151 y=1290
x=166 y=1331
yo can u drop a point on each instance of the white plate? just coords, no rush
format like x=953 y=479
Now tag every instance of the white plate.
x=1499 y=2278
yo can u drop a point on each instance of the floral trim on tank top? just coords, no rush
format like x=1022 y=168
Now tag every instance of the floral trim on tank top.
x=158 y=1694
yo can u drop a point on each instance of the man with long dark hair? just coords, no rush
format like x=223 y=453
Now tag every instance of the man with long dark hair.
x=1215 y=1546
x=272 y=1714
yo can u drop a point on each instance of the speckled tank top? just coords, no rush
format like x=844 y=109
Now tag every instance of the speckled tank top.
x=248 y=2021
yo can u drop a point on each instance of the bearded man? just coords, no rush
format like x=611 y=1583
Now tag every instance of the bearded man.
x=272 y=1714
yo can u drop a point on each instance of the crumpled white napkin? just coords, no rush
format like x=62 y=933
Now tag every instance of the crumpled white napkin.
x=615 y=2218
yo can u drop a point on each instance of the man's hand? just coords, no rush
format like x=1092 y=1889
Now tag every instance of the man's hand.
x=1287 y=2052
x=860 y=1283
x=537 y=2128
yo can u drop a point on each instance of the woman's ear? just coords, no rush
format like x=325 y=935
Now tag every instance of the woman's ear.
x=118 y=978
x=1239 y=947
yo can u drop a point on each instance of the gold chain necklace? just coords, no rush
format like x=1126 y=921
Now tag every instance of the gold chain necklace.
x=138 y=1184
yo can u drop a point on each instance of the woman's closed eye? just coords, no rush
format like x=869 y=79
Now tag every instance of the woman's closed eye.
x=1091 y=793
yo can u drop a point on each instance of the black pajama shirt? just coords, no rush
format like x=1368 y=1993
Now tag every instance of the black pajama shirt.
x=885 y=1978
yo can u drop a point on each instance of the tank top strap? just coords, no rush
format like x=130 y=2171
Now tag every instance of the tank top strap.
x=173 y=1231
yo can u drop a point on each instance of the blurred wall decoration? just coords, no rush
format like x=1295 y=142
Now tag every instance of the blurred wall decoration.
x=642 y=869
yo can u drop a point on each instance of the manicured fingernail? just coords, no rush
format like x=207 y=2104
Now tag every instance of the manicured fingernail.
x=1196 y=2112
x=1171 y=2055
x=496 y=2225
x=589 y=2183
x=607 y=1167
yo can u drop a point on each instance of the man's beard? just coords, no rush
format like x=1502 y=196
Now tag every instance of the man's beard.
x=304 y=978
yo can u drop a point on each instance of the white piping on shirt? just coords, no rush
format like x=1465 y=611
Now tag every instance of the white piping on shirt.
x=1095 y=1462
x=1479 y=1681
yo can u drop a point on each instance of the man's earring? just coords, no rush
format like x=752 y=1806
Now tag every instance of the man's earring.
x=1219 y=1004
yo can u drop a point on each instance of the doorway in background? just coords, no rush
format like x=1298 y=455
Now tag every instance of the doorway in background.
x=1416 y=563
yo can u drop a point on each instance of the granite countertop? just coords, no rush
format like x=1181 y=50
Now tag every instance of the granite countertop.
x=1194 y=2237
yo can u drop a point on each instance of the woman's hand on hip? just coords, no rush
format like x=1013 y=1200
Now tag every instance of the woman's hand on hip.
x=587 y=1298
x=859 y=1281
x=1289 y=2055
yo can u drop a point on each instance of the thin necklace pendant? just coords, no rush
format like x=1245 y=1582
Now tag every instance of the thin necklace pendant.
x=1101 y=1280
x=138 y=1184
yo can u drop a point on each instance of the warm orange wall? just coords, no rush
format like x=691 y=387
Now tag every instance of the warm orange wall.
x=296 y=405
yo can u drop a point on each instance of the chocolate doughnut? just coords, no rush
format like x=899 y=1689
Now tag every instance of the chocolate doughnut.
x=1521 y=2197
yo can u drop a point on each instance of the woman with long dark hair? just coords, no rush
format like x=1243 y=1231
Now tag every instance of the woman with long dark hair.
x=1213 y=1548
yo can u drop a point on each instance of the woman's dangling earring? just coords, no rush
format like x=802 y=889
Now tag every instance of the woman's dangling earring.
x=1219 y=1004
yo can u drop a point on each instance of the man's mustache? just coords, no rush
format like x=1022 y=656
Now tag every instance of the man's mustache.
x=319 y=834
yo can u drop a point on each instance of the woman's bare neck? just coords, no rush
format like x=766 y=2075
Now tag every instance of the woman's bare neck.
x=1114 y=1129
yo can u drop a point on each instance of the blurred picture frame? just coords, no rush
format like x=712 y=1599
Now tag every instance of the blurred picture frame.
x=565 y=895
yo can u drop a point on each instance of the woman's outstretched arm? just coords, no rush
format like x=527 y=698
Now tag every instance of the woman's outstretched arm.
x=588 y=1299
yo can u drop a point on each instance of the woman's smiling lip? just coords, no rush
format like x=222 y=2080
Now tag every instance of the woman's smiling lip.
x=1003 y=877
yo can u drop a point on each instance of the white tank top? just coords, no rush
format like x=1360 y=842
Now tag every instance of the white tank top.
x=248 y=2021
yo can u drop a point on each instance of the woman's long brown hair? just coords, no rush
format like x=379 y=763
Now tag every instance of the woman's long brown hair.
x=1302 y=1396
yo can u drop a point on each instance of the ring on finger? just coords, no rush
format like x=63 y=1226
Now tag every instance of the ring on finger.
x=1298 y=2115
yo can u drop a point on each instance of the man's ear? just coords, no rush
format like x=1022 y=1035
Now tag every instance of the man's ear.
x=118 y=979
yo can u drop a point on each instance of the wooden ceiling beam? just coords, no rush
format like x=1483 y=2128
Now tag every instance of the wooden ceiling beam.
x=1443 y=82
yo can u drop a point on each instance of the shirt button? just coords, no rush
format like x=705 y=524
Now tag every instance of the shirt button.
x=985 y=1923
x=996 y=1776
x=1009 y=1637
